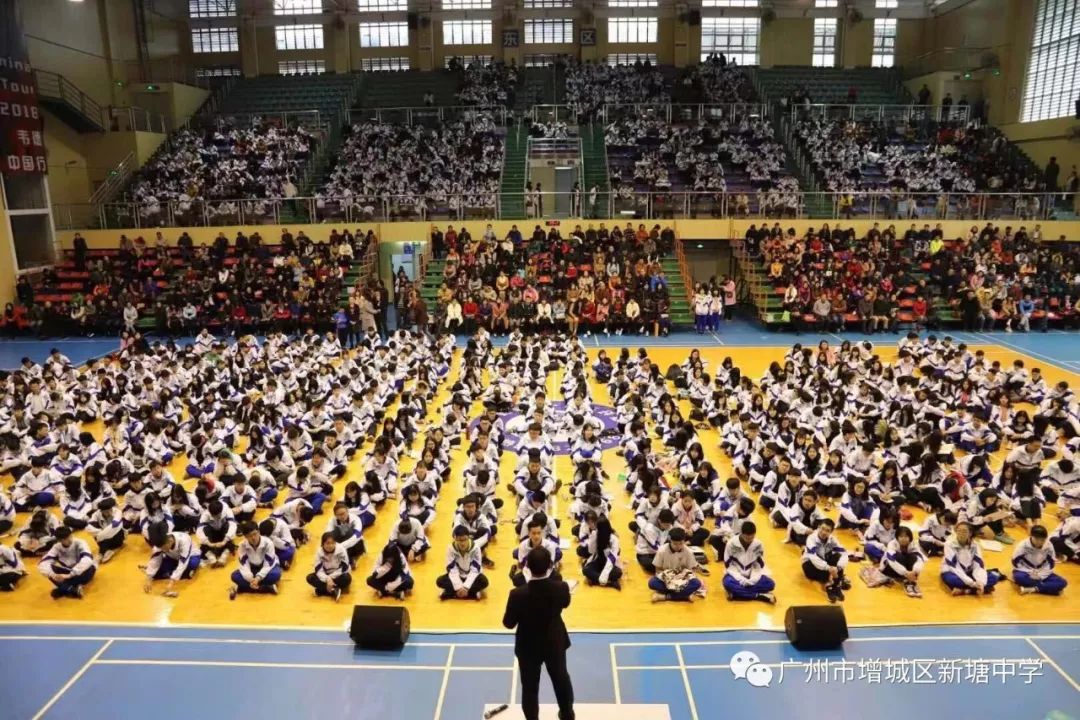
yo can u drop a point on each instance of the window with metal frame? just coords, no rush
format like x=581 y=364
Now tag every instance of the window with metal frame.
x=540 y=59
x=884 y=43
x=735 y=37
x=543 y=4
x=384 y=34
x=382 y=5
x=299 y=37
x=730 y=3
x=632 y=3
x=632 y=29
x=215 y=40
x=298 y=7
x=826 y=3
x=466 y=32
x=824 y=42
x=211 y=8
x=615 y=59
x=886 y=4
x=218 y=71
x=466 y=4
x=385 y=64
x=1052 y=81
x=549 y=31
x=468 y=60
x=301 y=67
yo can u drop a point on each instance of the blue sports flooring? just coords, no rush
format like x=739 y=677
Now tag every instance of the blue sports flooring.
x=115 y=672
x=1055 y=347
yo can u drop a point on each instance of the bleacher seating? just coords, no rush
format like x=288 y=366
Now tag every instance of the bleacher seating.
x=872 y=86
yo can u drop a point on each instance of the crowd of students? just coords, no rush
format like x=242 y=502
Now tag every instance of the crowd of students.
x=415 y=168
x=829 y=444
x=262 y=430
x=222 y=163
x=594 y=280
x=488 y=84
x=993 y=278
x=591 y=85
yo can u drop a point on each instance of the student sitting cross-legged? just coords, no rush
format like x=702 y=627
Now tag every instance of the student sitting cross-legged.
x=463 y=578
x=1033 y=565
x=675 y=564
x=69 y=565
x=745 y=574
x=332 y=574
x=962 y=569
x=259 y=570
x=391 y=576
x=175 y=557
x=824 y=560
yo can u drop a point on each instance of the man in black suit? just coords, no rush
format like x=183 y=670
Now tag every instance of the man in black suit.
x=535 y=609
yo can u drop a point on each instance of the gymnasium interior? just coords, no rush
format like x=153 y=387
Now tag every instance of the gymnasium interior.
x=372 y=195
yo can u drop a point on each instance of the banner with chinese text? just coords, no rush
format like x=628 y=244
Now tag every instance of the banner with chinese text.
x=22 y=146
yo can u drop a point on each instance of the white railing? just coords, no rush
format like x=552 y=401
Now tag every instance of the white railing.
x=618 y=203
x=910 y=113
x=414 y=115
x=115 y=180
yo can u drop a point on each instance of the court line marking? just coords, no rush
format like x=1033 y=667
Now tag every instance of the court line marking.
x=72 y=680
x=307 y=666
x=615 y=674
x=898 y=638
x=445 y=682
x=498 y=631
x=716 y=338
x=686 y=683
x=1053 y=663
x=232 y=641
x=514 y=683
x=1056 y=362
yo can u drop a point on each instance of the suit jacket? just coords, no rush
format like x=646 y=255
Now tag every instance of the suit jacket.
x=535 y=609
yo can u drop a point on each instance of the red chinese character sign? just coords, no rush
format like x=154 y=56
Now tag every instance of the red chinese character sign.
x=22 y=147
x=21 y=142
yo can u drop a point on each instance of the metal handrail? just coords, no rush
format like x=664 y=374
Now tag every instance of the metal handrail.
x=936 y=113
x=54 y=85
x=115 y=180
x=625 y=204
x=410 y=114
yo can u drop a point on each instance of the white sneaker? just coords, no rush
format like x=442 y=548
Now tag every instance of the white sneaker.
x=223 y=558
x=211 y=559
x=107 y=556
x=658 y=597
x=1028 y=590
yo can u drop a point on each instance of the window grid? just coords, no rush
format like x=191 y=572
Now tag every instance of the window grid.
x=826 y=3
x=211 y=8
x=1052 y=81
x=884 y=42
x=730 y=3
x=736 y=38
x=467 y=60
x=549 y=31
x=299 y=37
x=542 y=4
x=886 y=4
x=218 y=71
x=540 y=59
x=466 y=4
x=300 y=67
x=384 y=34
x=824 y=42
x=384 y=64
x=632 y=3
x=298 y=7
x=466 y=32
x=615 y=59
x=214 y=40
x=632 y=29
x=382 y=5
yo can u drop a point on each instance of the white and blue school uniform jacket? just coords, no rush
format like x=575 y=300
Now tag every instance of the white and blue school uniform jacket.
x=31 y=483
x=224 y=521
x=463 y=567
x=895 y=558
x=280 y=536
x=1037 y=563
x=76 y=558
x=290 y=512
x=610 y=555
x=817 y=550
x=964 y=561
x=585 y=451
x=415 y=539
x=77 y=508
x=10 y=561
x=878 y=536
x=801 y=522
x=521 y=553
x=72 y=466
x=7 y=508
x=932 y=532
x=240 y=502
x=348 y=533
x=745 y=564
x=162 y=485
x=331 y=566
x=257 y=561
x=104 y=528
x=182 y=551
x=1068 y=533
x=649 y=539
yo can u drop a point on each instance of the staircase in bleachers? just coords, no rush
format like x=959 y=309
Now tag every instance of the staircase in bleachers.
x=874 y=86
x=594 y=157
x=407 y=88
x=536 y=87
x=512 y=185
